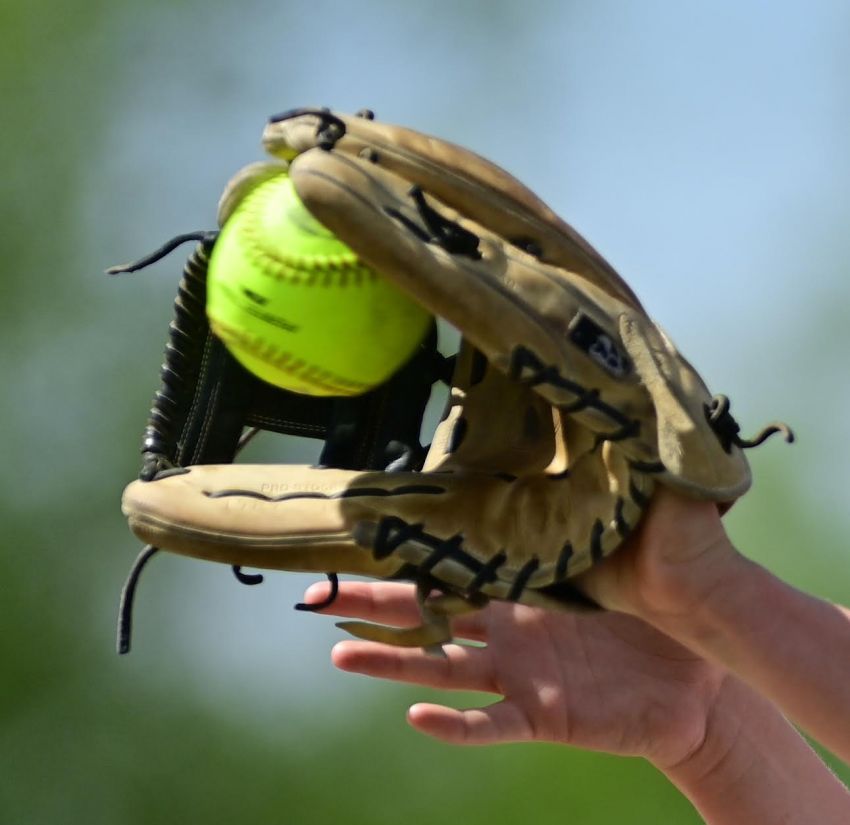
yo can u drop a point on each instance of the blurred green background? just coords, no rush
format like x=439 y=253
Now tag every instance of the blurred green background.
x=703 y=148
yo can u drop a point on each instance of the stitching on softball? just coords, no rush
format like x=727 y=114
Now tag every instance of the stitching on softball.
x=321 y=270
x=324 y=379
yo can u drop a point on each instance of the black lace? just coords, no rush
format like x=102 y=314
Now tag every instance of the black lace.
x=596 y=534
x=330 y=129
x=183 y=350
x=250 y=579
x=526 y=368
x=727 y=429
x=522 y=578
x=205 y=238
x=562 y=565
x=393 y=532
x=438 y=230
x=327 y=601
x=128 y=595
x=449 y=235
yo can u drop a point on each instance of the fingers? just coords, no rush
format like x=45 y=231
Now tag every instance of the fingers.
x=384 y=602
x=500 y=722
x=389 y=603
x=462 y=668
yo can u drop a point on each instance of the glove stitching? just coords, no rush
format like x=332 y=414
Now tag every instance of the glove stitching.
x=621 y=525
x=563 y=563
x=727 y=429
x=352 y=492
x=647 y=467
x=521 y=579
x=285 y=422
x=636 y=495
x=487 y=573
x=596 y=533
x=523 y=358
x=209 y=410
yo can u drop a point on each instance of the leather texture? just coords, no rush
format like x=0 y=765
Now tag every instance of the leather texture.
x=568 y=404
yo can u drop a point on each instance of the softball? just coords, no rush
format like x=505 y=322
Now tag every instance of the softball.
x=297 y=308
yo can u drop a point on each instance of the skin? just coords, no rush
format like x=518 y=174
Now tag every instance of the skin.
x=715 y=651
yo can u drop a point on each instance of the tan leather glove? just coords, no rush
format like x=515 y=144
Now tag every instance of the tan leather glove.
x=568 y=404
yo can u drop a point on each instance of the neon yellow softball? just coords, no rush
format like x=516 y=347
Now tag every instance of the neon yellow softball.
x=295 y=305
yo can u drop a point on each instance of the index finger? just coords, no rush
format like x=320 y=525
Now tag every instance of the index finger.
x=392 y=603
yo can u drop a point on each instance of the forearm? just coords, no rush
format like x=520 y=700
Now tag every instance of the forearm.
x=753 y=767
x=793 y=648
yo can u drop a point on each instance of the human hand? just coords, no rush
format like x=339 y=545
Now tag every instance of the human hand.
x=680 y=573
x=678 y=557
x=607 y=682
x=601 y=681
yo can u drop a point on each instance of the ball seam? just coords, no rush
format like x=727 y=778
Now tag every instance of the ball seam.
x=314 y=271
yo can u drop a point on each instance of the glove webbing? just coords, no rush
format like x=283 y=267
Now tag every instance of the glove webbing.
x=207 y=400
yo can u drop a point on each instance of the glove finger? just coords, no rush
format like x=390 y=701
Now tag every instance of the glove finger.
x=282 y=517
x=484 y=401
x=470 y=532
x=463 y=180
x=590 y=354
x=244 y=181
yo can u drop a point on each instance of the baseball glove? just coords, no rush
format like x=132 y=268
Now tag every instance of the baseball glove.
x=567 y=404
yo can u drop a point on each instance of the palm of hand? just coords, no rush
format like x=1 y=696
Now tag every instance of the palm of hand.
x=602 y=681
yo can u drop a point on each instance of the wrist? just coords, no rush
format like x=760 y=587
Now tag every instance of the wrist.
x=696 y=593
x=753 y=766
x=712 y=756
x=791 y=646
x=723 y=595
